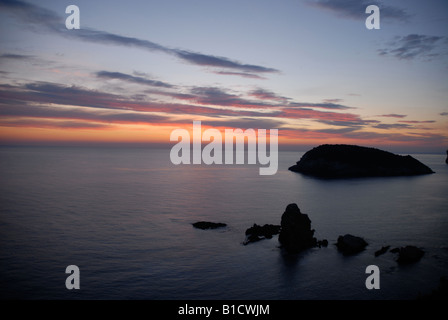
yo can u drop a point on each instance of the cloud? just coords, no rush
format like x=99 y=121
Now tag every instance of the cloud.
x=263 y=94
x=27 y=99
x=53 y=123
x=388 y=126
x=51 y=22
x=46 y=92
x=48 y=104
x=327 y=117
x=34 y=15
x=246 y=123
x=133 y=79
x=355 y=9
x=55 y=101
x=15 y=56
x=241 y=74
x=444 y=114
x=221 y=62
x=392 y=115
x=47 y=112
x=413 y=46
x=348 y=123
x=327 y=105
x=427 y=138
x=338 y=130
x=416 y=121
x=369 y=137
x=333 y=100
x=217 y=96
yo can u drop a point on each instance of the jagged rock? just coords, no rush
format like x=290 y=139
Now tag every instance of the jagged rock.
x=296 y=233
x=348 y=161
x=349 y=244
x=257 y=233
x=208 y=225
x=381 y=251
x=409 y=254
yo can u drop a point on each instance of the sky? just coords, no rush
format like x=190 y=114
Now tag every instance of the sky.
x=136 y=70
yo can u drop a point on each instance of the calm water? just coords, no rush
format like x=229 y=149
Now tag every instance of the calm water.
x=123 y=216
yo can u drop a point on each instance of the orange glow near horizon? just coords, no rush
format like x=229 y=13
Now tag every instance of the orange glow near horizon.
x=160 y=134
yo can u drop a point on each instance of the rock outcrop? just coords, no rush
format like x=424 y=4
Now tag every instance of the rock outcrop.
x=408 y=254
x=296 y=233
x=349 y=244
x=383 y=250
x=257 y=233
x=204 y=225
x=446 y=160
x=349 y=161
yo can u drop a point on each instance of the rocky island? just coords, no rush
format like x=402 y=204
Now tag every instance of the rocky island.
x=350 y=161
x=296 y=234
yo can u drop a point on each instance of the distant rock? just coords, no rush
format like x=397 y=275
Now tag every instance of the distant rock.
x=408 y=254
x=446 y=160
x=348 y=161
x=296 y=233
x=381 y=251
x=395 y=250
x=208 y=225
x=257 y=233
x=349 y=244
x=322 y=243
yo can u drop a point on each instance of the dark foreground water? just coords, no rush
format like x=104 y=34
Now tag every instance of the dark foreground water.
x=123 y=216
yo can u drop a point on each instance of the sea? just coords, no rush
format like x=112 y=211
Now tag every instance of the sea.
x=124 y=217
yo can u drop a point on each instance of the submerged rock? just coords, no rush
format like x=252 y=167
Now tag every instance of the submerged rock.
x=349 y=244
x=296 y=233
x=409 y=254
x=208 y=225
x=381 y=251
x=347 y=161
x=257 y=233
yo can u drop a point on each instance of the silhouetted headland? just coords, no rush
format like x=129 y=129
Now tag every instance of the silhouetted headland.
x=350 y=161
x=446 y=160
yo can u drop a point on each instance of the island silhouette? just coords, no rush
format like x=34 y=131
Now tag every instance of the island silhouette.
x=350 y=161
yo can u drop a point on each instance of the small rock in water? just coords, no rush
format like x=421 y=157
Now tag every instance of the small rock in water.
x=409 y=254
x=381 y=251
x=349 y=244
x=208 y=225
x=257 y=233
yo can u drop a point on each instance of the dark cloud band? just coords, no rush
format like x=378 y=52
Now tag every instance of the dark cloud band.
x=52 y=22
